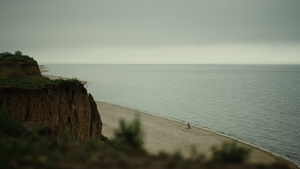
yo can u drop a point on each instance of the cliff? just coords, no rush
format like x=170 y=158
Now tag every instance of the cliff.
x=65 y=107
x=13 y=66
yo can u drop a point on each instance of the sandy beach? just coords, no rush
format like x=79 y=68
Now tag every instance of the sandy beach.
x=162 y=134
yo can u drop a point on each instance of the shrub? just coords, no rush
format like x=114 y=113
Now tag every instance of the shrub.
x=129 y=136
x=44 y=130
x=175 y=160
x=18 y=53
x=230 y=153
x=104 y=138
x=9 y=126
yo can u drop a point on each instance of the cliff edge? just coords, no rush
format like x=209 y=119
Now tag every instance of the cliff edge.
x=64 y=105
x=18 y=66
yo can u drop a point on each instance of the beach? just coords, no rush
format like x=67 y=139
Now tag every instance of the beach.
x=44 y=69
x=164 y=135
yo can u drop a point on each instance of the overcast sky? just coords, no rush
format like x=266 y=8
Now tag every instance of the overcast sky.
x=152 y=31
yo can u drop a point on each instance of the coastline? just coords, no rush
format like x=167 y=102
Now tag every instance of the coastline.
x=169 y=136
x=44 y=69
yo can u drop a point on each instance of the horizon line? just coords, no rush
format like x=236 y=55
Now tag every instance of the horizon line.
x=90 y=63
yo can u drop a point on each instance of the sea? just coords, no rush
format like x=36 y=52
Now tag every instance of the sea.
x=255 y=104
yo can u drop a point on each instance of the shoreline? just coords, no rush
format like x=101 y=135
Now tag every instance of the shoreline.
x=202 y=139
x=162 y=134
x=43 y=69
x=277 y=155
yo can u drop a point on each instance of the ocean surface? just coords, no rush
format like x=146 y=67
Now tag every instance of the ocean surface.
x=256 y=104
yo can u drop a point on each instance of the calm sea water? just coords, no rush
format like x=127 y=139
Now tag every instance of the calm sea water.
x=257 y=104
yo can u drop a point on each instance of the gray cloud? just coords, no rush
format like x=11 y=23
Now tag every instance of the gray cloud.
x=140 y=23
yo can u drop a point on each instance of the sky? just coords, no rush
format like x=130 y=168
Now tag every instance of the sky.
x=153 y=31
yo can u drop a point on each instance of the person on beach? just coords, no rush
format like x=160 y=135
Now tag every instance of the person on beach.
x=189 y=126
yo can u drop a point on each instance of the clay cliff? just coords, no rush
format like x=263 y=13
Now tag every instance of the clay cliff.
x=65 y=107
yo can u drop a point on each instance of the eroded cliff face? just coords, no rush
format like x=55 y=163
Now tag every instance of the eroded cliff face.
x=65 y=107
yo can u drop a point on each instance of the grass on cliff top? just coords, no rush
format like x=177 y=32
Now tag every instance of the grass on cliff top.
x=26 y=81
x=32 y=82
x=17 y=58
x=21 y=148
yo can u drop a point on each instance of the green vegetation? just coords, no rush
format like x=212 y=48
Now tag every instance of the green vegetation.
x=18 y=57
x=66 y=81
x=13 y=73
x=129 y=136
x=33 y=82
x=21 y=148
x=230 y=153
x=44 y=130
x=9 y=125
x=19 y=53
x=24 y=82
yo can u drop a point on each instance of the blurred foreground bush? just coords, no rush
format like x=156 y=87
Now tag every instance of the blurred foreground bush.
x=230 y=153
x=129 y=136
